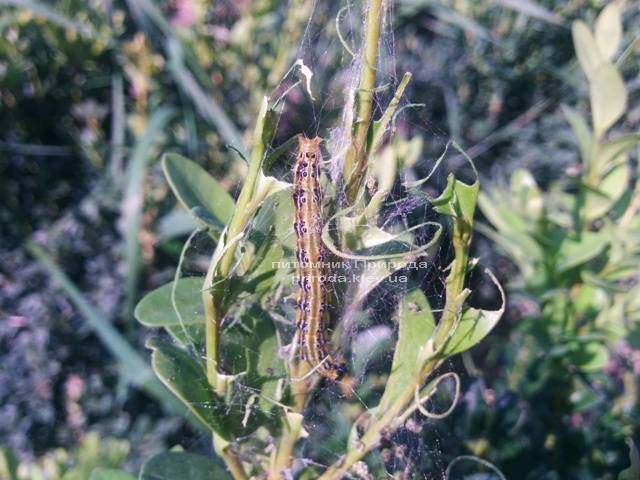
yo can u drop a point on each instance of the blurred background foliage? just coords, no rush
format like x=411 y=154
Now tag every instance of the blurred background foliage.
x=92 y=91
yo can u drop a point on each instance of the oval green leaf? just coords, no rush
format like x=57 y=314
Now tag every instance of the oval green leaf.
x=110 y=474
x=157 y=310
x=576 y=251
x=608 y=30
x=181 y=465
x=608 y=98
x=587 y=50
x=416 y=324
x=194 y=187
x=187 y=380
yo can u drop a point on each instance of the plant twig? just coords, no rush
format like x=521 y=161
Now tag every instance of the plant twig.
x=300 y=387
x=356 y=157
x=231 y=460
x=214 y=291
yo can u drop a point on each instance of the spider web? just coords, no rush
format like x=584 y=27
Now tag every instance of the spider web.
x=367 y=337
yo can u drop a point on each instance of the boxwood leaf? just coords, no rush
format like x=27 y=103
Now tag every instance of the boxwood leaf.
x=110 y=474
x=575 y=251
x=187 y=380
x=587 y=50
x=611 y=187
x=194 y=187
x=474 y=325
x=458 y=199
x=156 y=308
x=608 y=30
x=182 y=465
x=581 y=131
x=415 y=326
x=608 y=96
x=590 y=356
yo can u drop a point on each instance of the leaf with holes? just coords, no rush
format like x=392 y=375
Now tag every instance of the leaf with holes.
x=474 y=325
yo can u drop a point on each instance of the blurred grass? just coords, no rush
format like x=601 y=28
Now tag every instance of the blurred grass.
x=133 y=201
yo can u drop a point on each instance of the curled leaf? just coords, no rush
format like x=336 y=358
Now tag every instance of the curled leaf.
x=428 y=392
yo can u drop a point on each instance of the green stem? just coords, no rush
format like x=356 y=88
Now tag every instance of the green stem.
x=455 y=280
x=300 y=389
x=213 y=294
x=231 y=460
x=213 y=298
x=241 y=215
x=284 y=453
x=356 y=157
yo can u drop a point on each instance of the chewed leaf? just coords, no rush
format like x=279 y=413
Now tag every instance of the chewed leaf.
x=194 y=187
x=157 y=310
x=379 y=126
x=174 y=465
x=307 y=74
x=415 y=326
x=447 y=194
x=256 y=348
x=458 y=199
x=187 y=380
x=265 y=187
x=474 y=325
x=392 y=245
x=412 y=186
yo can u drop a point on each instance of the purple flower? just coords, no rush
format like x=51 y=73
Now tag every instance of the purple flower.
x=185 y=15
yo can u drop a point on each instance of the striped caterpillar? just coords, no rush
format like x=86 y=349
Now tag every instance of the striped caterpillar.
x=311 y=316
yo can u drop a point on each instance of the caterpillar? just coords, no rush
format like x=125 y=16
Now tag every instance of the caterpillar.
x=311 y=315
